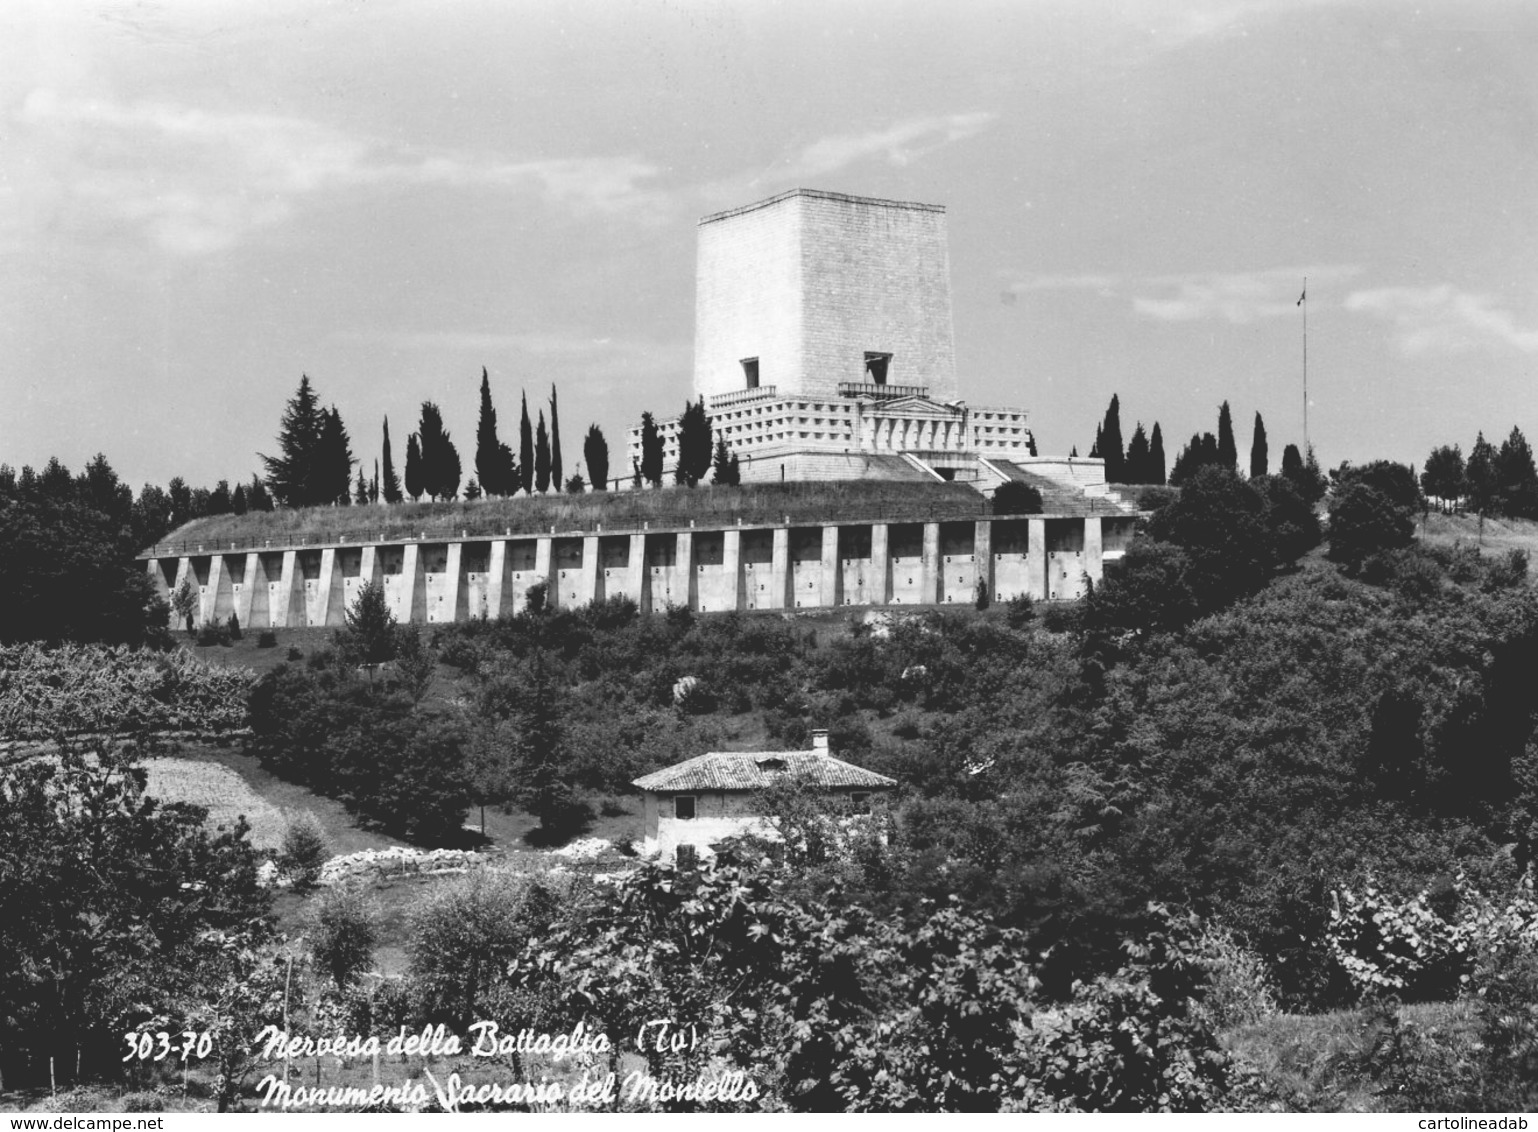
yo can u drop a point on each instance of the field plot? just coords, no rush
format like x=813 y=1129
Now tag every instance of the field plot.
x=217 y=788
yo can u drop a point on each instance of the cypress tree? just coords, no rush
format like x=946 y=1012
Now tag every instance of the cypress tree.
x=1094 y=449
x=414 y=484
x=1156 y=464
x=694 y=444
x=1292 y=462
x=555 y=441
x=1111 y=450
x=541 y=456
x=651 y=451
x=720 y=463
x=595 y=451
x=1228 y=451
x=373 y=488
x=488 y=451
x=238 y=499
x=360 y=490
x=391 y=484
x=257 y=498
x=526 y=449
x=1135 y=470
x=291 y=474
x=1260 y=456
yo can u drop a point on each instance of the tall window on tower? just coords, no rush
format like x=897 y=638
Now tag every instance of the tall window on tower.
x=876 y=367
x=750 y=371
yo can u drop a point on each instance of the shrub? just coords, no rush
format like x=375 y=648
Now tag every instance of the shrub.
x=266 y=639
x=1155 y=496
x=295 y=652
x=213 y=633
x=1364 y=521
x=536 y=597
x=344 y=932
x=1019 y=611
x=143 y=1102
x=1016 y=498
x=232 y=627
x=304 y=852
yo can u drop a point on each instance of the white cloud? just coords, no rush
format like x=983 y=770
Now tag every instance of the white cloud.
x=898 y=144
x=1442 y=319
x=199 y=181
x=1237 y=297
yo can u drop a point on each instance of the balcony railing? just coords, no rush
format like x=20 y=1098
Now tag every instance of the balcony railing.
x=742 y=397
x=880 y=392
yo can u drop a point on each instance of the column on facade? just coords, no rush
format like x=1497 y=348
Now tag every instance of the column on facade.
x=251 y=602
x=780 y=574
x=281 y=602
x=544 y=566
x=683 y=570
x=330 y=590
x=587 y=591
x=982 y=554
x=1036 y=559
x=1094 y=548
x=731 y=564
x=637 y=584
x=930 y=564
x=496 y=578
x=413 y=586
x=881 y=563
x=454 y=583
x=832 y=570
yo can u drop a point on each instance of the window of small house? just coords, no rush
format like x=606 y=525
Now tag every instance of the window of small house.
x=683 y=806
x=861 y=802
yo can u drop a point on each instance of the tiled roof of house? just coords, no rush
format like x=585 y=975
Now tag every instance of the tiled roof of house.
x=754 y=770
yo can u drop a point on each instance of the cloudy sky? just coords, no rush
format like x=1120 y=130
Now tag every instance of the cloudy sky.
x=201 y=201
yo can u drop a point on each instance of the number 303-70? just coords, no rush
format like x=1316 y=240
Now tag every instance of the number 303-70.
x=160 y=1046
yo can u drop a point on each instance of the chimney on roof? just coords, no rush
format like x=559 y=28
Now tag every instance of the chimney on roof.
x=820 y=741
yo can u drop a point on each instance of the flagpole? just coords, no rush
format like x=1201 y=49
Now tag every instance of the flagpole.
x=1303 y=302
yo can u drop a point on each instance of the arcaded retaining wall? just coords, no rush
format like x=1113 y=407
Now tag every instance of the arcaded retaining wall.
x=809 y=566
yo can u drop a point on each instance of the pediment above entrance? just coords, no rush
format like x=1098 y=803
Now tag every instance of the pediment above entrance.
x=919 y=406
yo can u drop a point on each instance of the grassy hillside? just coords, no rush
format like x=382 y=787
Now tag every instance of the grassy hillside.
x=613 y=511
x=1497 y=537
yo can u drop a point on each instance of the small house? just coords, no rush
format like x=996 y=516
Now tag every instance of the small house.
x=713 y=797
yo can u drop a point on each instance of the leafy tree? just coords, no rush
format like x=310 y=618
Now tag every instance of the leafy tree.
x=1293 y=523
x=651 y=451
x=1396 y=482
x=1220 y=522
x=595 y=453
x=390 y=484
x=1156 y=465
x=1364 y=521
x=1148 y=588
x=415 y=480
x=472 y=490
x=257 y=498
x=185 y=602
x=1483 y=481
x=1517 y=477
x=1136 y=467
x=1443 y=478
x=219 y=499
x=694 y=444
x=1260 y=455
x=1304 y=475
x=576 y=485
x=555 y=441
x=541 y=456
x=526 y=449
x=293 y=475
x=1228 y=451
x=1111 y=443
x=488 y=449
x=67 y=569
x=111 y=903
